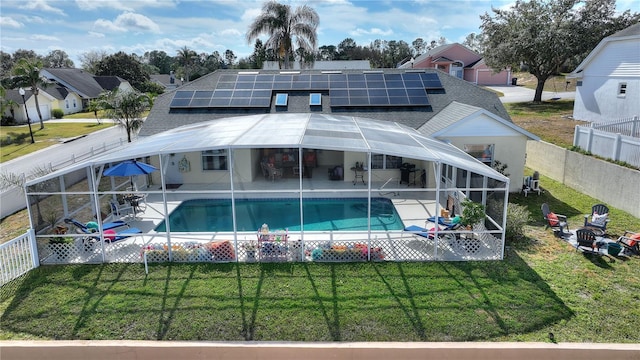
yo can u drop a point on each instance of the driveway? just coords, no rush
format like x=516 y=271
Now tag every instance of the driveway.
x=513 y=94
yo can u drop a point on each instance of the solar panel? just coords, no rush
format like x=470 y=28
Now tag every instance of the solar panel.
x=366 y=89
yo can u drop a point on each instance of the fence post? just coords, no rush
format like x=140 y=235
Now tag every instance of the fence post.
x=576 y=135
x=634 y=126
x=617 y=144
x=35 y=260
x=589 y=140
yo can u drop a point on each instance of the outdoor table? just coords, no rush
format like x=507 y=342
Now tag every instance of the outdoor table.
x=358 y=174
x=134 y=201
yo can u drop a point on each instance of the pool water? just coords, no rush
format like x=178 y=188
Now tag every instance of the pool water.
x=348 y=214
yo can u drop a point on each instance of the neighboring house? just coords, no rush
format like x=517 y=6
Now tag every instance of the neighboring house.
x=67 y=101
x=168 y=81
x=46 y=101
x=87 y=86
x=608 y=79
x=447 y=109
x=459 y=61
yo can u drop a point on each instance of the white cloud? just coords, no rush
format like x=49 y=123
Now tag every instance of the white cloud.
x=42 y=5
x=41 y=37
x=10 y=23
x=231 y=32
x=96 y=34
x=373 y=31
x=128 y=21
x=89 y=5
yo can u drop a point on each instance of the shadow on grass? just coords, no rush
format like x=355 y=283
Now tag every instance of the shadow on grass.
x=445 y=301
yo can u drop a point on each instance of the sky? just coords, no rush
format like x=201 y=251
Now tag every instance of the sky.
x=138 y=26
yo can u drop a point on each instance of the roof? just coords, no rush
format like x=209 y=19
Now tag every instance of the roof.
x=109 y=82
x=632 y=32
x=294 y=130
x=77 y=80
x=323 y=65
x=162 y=117
x=456 y=112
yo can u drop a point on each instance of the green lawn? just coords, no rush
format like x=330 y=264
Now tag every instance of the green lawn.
x=50 y=135
x=543 y=285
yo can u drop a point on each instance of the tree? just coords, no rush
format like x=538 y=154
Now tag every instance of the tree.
x=125 y=108
x=230 y=57
x=91 y=59
x=346 y=48
x=94 y=106
x=6 y=64
x=28 y=73
x=259 y=55
x=418 y=47
x=57 y=59
x=124 y=66
x=543 y=35
x=282 y=24
x=160 y=60
x=474 y=42
x=185 y=57
x=327 y=53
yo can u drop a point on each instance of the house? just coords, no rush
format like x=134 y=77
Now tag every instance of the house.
x=466 y=115
x=67 y=101
x=167 y=81
x=46 y=101
x=87 y=86
x=459 y=61
x=353 y=164
x=608 y=79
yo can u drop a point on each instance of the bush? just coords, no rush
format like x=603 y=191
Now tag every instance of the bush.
x=13 y=138
x=517 y=218
x=7 y=121
x=57 y=113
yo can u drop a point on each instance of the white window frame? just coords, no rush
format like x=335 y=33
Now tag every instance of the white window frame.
x=282 y=99
x=622 y=89
x=215 y=160
x=315 y=99
x=388 y=162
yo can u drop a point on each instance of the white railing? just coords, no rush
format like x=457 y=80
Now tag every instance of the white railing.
x=626 y=126
x=599 y=140
x=17 y=257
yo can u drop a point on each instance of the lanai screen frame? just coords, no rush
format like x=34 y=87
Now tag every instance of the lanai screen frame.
x=294 y=131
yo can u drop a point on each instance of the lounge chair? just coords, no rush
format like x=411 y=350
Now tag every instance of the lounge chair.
x=558 y=223
x=630 y=241
x=598 y=218
x=426 y=233
x=89 y=229
x=112 y=236
x=449 y=225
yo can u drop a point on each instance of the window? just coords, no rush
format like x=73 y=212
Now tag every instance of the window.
x=483 y=153
x=281 y=99
x=66 y=103
x=214 y=159
x=622 y=89
x=379 y=161
x=315 y=99
x=75 y=105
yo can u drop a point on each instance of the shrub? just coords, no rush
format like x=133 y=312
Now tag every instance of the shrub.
x=517 y=218
x=13 y=138
x=7 y=121
x=57 y=113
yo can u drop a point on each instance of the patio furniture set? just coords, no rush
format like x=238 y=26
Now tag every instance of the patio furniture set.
x=592 y=237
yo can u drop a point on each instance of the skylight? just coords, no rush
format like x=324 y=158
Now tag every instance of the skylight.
x=281 y=99
x=315 y=99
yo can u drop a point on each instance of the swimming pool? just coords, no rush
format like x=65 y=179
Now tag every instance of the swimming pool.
x=211 y=215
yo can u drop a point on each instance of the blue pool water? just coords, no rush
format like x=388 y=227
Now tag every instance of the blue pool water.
x=210 y=215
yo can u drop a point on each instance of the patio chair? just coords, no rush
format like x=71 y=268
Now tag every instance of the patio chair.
x=118 y=210
x=557 y=223
x=274 y=172
x=588 y=242
x=630 y=241
x=88 y=229
x=598 y=218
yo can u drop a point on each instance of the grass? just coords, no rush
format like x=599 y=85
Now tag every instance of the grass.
x=52 y=134
x=549 y=120
x=542 y=286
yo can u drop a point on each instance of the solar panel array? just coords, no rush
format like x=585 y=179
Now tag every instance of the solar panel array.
x=345 y=90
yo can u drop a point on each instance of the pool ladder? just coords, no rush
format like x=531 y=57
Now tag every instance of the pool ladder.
x=395 y=193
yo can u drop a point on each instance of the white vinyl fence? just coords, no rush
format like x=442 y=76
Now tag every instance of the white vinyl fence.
x=617 y=140
x=17 y=257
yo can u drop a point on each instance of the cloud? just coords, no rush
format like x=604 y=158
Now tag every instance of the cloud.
x=42 y=5
x=10 y=23
x=373 y=31
x=41 y=37
x=128 y=21
x=90 y=5
x=96 y=34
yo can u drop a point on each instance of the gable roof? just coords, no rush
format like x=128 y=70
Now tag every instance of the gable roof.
x=163 y=117
x=86 y=85
x=632 y=32
x=456 y=112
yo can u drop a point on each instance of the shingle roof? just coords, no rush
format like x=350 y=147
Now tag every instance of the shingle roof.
x=77 y=80
x=109 y=82
x=162 y=118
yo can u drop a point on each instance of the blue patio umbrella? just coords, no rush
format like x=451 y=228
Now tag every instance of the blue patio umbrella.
x=130 y=168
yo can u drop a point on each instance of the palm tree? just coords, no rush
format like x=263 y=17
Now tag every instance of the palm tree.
x=281 y=24
x=185 y=57
x=125 y=108
x=28 y=72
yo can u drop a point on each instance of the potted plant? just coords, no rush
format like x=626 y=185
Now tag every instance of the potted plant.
x=250 y=248
x=472 y=213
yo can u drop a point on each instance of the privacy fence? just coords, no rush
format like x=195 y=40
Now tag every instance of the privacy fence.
x=617 y=140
